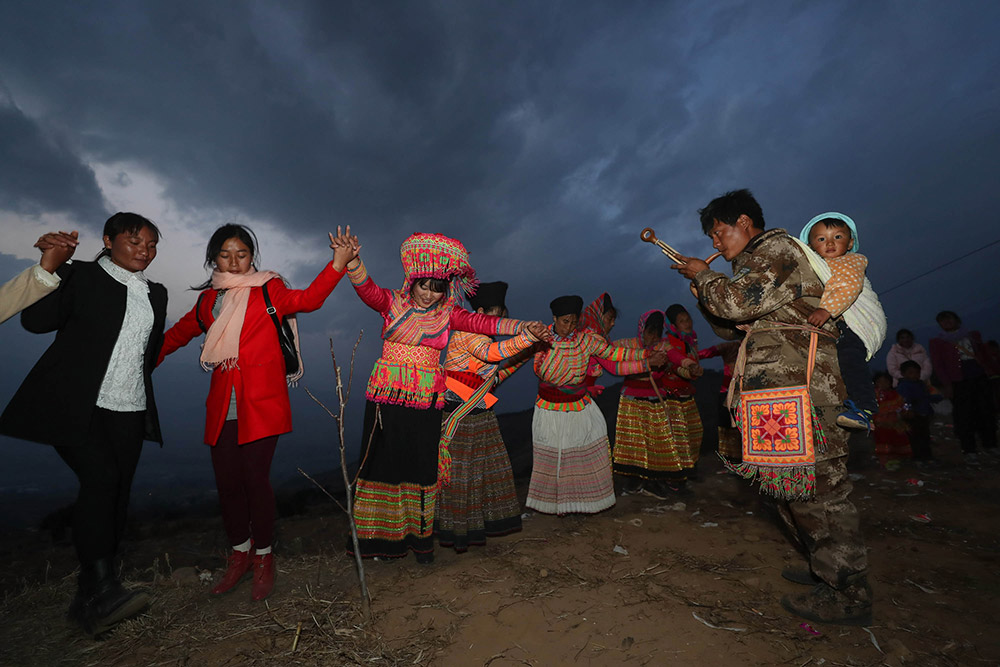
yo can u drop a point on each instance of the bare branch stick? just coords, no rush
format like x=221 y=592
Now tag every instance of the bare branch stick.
x=321 y=488
x=348 y=488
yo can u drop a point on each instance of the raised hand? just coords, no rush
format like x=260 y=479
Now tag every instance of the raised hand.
x=345 y=248
x=56 y=247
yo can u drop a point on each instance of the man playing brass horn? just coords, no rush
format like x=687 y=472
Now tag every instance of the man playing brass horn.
x=774 y=287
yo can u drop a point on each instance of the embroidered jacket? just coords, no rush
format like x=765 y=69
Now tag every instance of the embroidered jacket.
x=562 y=368
x=409 y=371
x=471 y=358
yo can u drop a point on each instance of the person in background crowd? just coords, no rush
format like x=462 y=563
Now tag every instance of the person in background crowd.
x=917 y=398
x=907 y=349
x=892 y=444
x=963 y=366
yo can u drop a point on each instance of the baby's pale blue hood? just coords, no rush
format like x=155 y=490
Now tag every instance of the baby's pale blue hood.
x=804 y=234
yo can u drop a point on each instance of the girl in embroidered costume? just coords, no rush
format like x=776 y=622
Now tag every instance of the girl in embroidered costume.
x=248 y=406
x=398 y=481
x=645 y=451
x=480 y=501
x=683 y=354
x=598 y=318
x=572 y=469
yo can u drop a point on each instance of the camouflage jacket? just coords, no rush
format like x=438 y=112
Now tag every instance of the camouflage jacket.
x=773 y=283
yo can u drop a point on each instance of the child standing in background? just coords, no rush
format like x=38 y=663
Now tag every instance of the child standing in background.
x=834 y=237
x=963 y=365
x=917 y=410
x=891 y=440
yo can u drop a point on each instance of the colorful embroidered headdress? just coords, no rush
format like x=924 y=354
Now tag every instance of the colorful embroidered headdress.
x=437 y=256
x=591 y=320
x=657 y=320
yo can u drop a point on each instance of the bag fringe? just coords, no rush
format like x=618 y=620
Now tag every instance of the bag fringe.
x=784 y=483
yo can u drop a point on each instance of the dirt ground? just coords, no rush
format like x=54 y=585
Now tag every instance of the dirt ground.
x=691 y=581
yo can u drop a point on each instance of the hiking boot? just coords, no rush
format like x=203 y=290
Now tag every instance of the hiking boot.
x=800 y=575
x=105 y=602
x=824 y=604
x=263 y=576
x=238 y=565
x=855 y=418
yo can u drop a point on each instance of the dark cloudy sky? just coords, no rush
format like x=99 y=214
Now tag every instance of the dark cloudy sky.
x=544 y=135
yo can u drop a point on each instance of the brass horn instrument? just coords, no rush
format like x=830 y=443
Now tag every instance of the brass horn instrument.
x=649 y=236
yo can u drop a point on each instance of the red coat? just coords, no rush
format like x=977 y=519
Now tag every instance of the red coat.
x=259 y=376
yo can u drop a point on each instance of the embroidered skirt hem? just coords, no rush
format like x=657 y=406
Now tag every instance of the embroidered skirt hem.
x=571 y=471
x=481 y=500
x=396 y=489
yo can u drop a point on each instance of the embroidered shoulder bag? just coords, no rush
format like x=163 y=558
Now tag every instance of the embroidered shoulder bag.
x=779 y=429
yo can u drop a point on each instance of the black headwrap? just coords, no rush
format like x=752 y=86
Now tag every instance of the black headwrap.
x=566 y=305
x=489 y=295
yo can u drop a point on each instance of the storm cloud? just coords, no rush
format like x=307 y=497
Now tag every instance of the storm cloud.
x=544 y=135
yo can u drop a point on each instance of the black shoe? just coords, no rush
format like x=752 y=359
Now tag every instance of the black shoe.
x=424 y=559
x=800 y=575
x=631 y=485
x=106 y=603
x=824 y=604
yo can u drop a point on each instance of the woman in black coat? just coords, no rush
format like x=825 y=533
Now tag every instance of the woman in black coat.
x=109 y=322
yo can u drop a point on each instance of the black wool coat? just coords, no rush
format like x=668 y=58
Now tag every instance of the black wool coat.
x=55 y=403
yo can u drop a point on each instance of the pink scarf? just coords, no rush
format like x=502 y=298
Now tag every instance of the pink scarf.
x=222 y=342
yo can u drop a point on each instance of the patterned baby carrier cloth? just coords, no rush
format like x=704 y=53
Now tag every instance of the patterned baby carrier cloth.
x=779 y=428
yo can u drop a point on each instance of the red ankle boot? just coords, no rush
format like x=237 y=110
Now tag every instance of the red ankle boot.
x=239 y=565
x=263 y=576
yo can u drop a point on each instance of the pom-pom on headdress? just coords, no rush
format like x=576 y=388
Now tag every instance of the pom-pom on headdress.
x=437 y=256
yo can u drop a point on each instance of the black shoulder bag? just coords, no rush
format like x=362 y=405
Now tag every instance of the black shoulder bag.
x=285 y=336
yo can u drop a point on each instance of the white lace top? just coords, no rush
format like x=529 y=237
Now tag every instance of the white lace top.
x=123 y=389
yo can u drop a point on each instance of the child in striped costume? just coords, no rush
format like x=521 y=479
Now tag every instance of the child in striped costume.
x=480 y=501
x=646 y=451
x=398 y=481
x=598 y=318
x=682 y=341
x=572 y=468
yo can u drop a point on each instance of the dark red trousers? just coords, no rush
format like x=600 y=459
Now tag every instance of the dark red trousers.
x=243 y=478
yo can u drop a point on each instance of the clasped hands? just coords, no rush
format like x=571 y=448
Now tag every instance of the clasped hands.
x=56 y=247
x=345 y=246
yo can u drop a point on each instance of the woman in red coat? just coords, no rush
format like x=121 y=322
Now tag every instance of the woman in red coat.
x=247 y=407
